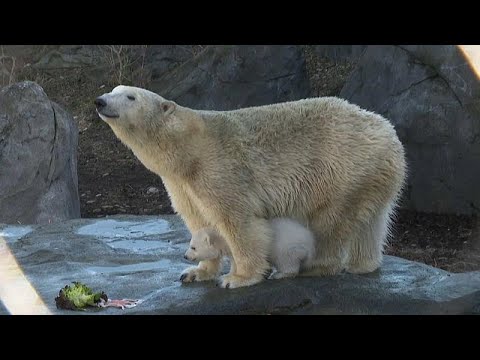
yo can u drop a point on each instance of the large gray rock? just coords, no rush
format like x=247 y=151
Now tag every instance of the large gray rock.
x=142 y=257
x=38 y=157
x=231 y=77
x=432 y=96
x=161 y=59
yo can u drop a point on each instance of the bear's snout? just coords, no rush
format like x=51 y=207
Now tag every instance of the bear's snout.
x=104 y=108
x=100 y=103
x=188 y=257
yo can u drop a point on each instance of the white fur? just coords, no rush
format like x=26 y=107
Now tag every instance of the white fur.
x=293 y=247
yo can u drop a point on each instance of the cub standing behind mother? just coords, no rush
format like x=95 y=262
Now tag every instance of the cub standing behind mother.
x=293 y=248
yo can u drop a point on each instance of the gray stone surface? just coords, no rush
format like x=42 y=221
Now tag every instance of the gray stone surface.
x=432 y=96
x=235 y=76
x=38 y=157
x=142 y=257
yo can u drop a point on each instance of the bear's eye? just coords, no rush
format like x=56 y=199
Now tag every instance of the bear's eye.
x=191 y=247
x=130 y=97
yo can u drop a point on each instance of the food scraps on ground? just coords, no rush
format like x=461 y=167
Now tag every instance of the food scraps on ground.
x=79 y=297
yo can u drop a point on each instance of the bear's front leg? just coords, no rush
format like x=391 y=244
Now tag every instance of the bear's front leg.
x=204 y=271
x=249 y=243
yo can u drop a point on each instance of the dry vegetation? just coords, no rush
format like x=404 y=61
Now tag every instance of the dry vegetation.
x=7 y=68
x=126 y=63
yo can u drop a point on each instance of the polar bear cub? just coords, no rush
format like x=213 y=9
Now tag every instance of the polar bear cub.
x=293 y=247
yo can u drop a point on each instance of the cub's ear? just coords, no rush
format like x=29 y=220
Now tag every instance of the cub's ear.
x=208 y=239
x=168 y=107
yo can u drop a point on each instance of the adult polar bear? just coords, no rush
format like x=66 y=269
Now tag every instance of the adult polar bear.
x=327 y=163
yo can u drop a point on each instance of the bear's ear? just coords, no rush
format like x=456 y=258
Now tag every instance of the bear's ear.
x=168 y=107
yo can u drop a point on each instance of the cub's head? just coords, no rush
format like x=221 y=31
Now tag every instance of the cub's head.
x=202 y=247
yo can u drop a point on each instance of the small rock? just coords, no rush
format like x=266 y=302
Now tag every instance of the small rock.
x=98 y=195
x=96 y=210
x=90 y=201
x=153 y=190
x=106 y=174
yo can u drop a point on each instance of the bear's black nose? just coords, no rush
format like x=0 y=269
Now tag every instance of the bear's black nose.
x=100 y=103
x=185 y=256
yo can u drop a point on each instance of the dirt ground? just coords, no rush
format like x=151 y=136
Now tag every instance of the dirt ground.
x=112 y=181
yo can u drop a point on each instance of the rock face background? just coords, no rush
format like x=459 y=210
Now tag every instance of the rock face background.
x=231 y=77
x=429 y=92
x=219 y=77
x=38 y=158
x=431 y=95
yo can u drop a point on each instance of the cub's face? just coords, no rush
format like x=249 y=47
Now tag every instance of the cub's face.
x=128 y=106
x=201 y=248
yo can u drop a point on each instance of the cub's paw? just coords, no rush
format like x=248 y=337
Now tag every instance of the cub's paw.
x=234 y=281
x=281 y=275
x=194 y=273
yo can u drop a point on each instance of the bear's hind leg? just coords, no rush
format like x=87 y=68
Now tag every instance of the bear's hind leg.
x=366 y=248
x=330 y=249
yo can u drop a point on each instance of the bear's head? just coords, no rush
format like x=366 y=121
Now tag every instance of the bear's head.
x=202 y=247
x=153 y=127
x=132 y=107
